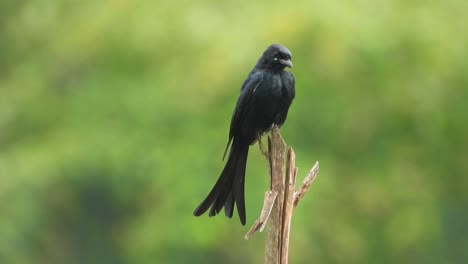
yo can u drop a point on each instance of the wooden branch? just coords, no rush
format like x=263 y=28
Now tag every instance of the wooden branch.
x=260 y=223
x=275 y=226
x=288 y=206
x=308 y=180
x=280 y=201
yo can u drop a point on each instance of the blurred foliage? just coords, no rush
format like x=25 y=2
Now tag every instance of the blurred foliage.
x=114 y=116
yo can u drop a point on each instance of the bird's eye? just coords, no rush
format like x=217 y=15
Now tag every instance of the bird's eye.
x=275 y=59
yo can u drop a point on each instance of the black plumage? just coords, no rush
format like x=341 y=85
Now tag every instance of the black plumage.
x=264 y=100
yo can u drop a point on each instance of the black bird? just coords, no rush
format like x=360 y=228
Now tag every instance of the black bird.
x=264 y=100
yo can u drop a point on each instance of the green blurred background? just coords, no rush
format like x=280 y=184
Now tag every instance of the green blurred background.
x=114 y=116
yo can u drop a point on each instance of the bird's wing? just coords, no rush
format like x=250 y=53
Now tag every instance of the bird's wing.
x=244 y=104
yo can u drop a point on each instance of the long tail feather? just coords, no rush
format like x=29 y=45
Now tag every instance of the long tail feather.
x=229 y=188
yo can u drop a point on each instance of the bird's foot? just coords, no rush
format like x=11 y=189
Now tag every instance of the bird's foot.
x=262 y=149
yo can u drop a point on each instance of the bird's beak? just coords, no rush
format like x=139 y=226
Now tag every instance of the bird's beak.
x=286 y=63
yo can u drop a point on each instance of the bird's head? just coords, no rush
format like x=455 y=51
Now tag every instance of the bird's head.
x=275 y=57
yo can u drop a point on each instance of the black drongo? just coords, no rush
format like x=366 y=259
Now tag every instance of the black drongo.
x=264 y=100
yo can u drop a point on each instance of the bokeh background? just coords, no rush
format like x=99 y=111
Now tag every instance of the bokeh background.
x=114 y=116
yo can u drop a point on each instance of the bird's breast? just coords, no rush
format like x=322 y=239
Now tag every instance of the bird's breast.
x=270 y=86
